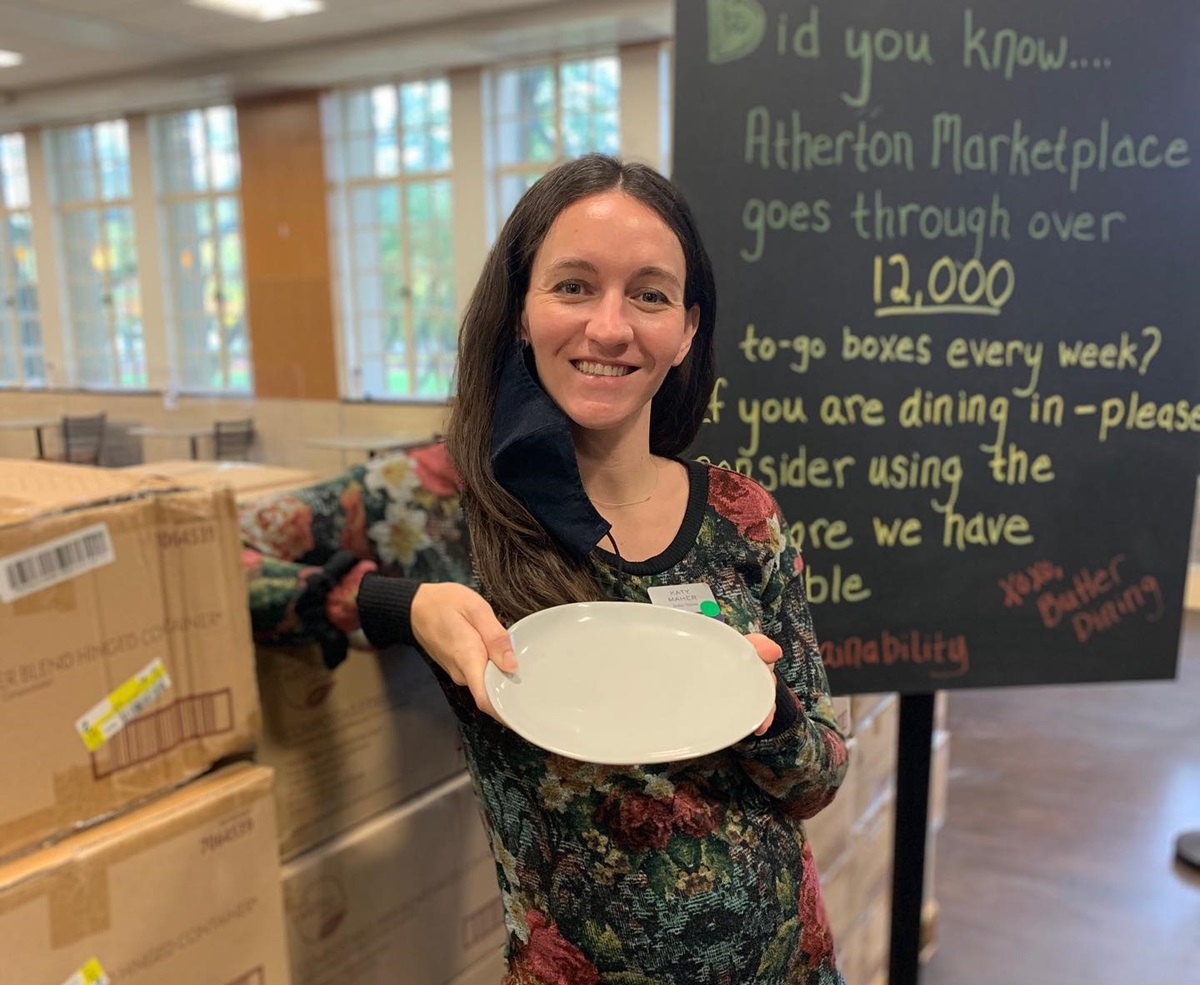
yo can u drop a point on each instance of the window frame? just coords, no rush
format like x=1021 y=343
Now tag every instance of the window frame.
x=166 y=199
x=63 y=208
x=494 y=119
x=349 y=308
x=12 y=318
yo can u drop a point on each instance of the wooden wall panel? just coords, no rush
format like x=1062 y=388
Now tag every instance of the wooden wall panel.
x=286 y=234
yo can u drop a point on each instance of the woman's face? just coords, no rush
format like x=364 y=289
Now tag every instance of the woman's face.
x=604 y=312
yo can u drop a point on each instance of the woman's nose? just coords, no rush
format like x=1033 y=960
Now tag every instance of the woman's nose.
x=609 y=322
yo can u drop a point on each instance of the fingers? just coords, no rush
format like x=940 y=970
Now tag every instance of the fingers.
x=768 y=650
x=458 y=629
x=495 y=637
x=499 y=649
x=769 y=653
x=479 y=692
x=465 y=663
x=766 y=723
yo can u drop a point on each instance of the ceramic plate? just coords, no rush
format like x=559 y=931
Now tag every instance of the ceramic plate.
x=623 y=683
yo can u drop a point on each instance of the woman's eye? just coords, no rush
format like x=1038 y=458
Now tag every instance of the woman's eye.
x=572 y=288
x=650 y=296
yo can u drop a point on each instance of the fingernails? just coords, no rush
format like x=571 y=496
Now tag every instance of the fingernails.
x=509 y=661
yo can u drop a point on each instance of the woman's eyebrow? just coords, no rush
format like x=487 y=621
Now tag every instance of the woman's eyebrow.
x=571 y=263
x=578 y=263
x=662 y=272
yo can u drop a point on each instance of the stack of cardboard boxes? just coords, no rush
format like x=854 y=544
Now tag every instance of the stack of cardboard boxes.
x=852 y=839
x=387 y=866
x=128 y=852
x=126 y=674
x=387 y=874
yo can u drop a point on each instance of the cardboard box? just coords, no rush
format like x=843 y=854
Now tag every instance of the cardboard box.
x=863 y=872
x=841 y=908
x=871 y=853
x=929 y=921
x=489 y=971
x=248 y=480
x=939 y=779
x=929 y=879
x=844 y=715
x=873 y=752
x=410 y=896
x=114 y=589
x=864 y=706
x=349 y=744
x=184 y=890
x=941 y=711
x=829 y=831
x=863 y=952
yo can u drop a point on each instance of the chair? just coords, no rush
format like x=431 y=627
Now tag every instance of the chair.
x=83 y=439
x=232 y=439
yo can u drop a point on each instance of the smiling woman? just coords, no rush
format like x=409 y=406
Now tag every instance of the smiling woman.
x=585 y=366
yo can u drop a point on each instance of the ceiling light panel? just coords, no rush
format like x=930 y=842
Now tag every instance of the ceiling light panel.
x=262 y=10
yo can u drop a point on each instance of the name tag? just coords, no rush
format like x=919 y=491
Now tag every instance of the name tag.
x=689 y=598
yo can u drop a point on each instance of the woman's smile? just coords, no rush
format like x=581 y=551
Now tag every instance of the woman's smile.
x=601 y=369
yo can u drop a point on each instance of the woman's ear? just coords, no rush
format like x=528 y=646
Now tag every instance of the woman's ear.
x=691 y=325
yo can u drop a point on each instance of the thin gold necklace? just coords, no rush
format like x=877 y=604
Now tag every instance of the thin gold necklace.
x=632 y=502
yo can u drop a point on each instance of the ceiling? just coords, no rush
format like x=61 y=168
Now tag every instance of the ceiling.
x=82 y=55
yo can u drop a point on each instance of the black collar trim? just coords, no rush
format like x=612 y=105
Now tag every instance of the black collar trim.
x=689 y=530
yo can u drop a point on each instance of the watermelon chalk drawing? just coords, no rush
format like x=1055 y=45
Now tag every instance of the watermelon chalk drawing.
x=735 y=29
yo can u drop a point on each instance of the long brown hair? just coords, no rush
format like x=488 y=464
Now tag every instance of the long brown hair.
x=521 y=568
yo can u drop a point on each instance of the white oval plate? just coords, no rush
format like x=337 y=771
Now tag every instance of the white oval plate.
x=622 y=683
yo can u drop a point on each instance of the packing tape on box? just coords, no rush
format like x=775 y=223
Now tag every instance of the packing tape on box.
x=75 y=880
x=123 y=704
x=90 y=974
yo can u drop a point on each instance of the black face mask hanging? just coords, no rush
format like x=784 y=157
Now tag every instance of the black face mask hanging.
x=533 y=458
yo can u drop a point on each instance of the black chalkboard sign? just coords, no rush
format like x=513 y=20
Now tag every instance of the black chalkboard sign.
x=958 y=255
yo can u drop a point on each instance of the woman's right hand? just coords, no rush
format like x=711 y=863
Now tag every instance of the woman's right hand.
x=458 y=629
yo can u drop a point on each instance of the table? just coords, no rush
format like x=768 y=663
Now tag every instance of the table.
x=372 y=444
x=35 y=424
x=193 y=432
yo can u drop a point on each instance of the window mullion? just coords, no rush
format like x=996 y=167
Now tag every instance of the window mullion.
x=219 y=305
x=107 y=302
x=349 y=281
x=558 y=116
x=11 y=321
x=406 y=292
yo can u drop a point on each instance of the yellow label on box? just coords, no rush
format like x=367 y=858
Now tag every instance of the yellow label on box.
x=90 y=974
x=123 y=705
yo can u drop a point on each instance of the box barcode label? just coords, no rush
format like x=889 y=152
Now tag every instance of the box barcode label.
x=54 y=561
x=90 y=974
x=123 y=705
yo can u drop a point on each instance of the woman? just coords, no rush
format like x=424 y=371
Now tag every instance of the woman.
x=585 y=363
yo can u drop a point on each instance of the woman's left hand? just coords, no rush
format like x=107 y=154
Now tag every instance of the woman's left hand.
x=769 y=652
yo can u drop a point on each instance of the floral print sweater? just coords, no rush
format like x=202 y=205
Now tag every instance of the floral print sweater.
x=688 y=873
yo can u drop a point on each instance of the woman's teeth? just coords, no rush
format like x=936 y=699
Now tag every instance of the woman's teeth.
x=602 y=369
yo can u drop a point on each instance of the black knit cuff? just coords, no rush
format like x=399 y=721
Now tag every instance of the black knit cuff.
x=787 y=712
x=310 y=607
x=385 y=609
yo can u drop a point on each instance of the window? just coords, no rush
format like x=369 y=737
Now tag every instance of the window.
x=91 y=192
x=21 y=357
x=389 y=166
x=545 y=113
x=198 y=176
